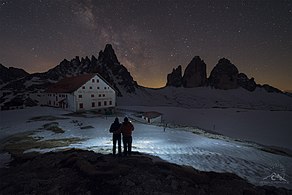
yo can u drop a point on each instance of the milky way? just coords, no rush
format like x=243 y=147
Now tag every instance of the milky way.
x=151 y=37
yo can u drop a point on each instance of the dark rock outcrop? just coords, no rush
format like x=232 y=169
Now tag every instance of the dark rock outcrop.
x=108 y=56
x=224 y=75
x=270 y=89
x=9 y=74
x=175 y=77
x=246 y=83
x=195 y=73
x=85 y=172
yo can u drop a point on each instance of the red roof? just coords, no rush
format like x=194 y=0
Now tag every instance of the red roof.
x=69 y=84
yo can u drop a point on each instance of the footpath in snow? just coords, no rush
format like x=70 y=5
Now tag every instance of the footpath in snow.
x=174 y=145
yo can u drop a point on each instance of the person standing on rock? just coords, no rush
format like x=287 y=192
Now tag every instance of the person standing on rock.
x=126 y=130
x=115 y=130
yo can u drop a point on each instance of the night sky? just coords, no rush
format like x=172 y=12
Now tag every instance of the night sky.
x=151 y=37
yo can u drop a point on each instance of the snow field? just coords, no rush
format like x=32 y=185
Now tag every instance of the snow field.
x=174 y=145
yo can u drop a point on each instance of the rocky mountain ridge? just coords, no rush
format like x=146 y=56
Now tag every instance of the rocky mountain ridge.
x=11 y=73
x=224 y=75
x=19 y=88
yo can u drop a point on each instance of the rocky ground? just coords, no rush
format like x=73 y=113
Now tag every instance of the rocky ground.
x=86 y=172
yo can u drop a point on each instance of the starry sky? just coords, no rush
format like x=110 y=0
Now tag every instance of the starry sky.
x=151 y=37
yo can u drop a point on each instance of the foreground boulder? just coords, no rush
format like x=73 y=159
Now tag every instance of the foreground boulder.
x=85 y=172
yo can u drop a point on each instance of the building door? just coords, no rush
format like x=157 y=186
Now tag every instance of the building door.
x=81 y=105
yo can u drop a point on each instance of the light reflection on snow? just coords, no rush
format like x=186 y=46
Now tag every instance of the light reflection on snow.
x=174 y=145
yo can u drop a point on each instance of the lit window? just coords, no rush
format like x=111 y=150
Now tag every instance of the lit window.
x=80 y=105
x=93 y=80
x=80 y=96
x=93 y=104
x=92 y=95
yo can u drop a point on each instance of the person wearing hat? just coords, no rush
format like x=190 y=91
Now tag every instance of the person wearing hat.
x=126 y=130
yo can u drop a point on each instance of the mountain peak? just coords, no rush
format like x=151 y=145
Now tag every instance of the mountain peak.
x=108 y=55
x=224 y=75
x=109 y=46
x=224 y=61
x=196 y=59
x=195 y=73
x=11 y=73
x=175 y=77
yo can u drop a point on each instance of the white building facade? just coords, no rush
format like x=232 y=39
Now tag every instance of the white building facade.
x=80 y=93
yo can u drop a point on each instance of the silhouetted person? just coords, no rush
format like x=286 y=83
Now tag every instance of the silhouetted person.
x=126 y=129
x=164 y=127
x=115 y=130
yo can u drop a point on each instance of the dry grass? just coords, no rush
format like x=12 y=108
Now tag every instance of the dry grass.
x=46 y=118
x=17 y=144
x=53 y=127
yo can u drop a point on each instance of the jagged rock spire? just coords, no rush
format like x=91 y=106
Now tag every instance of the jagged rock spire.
x=175 y=77
x=195 y=73
x=108 y=56
x=194 y=76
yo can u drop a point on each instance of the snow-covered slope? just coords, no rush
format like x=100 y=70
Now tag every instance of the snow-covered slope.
x=257 y=116
x=207 y=97
x=175 y=144
x=270 y=128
